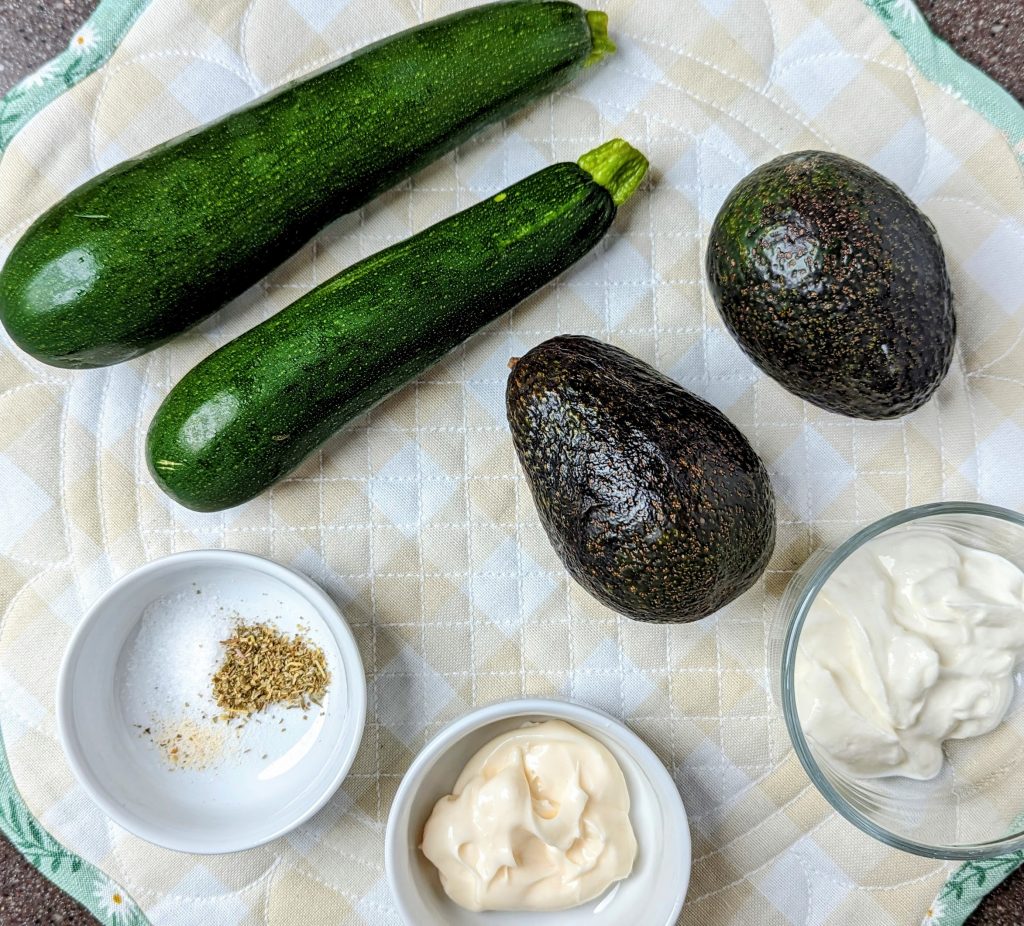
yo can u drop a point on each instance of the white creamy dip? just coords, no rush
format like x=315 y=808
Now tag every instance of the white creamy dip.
x=538 y=820
x=913 y=640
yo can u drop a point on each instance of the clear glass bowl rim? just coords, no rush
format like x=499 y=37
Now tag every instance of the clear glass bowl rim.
x=1009 y=843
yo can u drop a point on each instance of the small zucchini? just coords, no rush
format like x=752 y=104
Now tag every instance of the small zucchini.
x=249 y=413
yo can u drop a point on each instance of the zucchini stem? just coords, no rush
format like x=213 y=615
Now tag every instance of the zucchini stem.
x=617 y=166
x=602 y=45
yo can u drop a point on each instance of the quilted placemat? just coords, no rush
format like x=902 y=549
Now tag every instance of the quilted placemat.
x=416 y=518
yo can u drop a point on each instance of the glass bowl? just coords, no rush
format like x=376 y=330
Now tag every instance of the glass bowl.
x=973 y=808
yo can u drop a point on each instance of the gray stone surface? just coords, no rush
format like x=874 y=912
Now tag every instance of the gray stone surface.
x=988 y=32
x=28 y=899
x=33 y=31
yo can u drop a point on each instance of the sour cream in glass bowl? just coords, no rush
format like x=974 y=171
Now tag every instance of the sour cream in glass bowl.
x=899 y=665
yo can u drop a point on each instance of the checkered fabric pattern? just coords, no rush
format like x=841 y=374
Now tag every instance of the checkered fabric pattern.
x=417 y=519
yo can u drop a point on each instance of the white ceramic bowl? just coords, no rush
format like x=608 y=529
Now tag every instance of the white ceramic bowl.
x=244 y=798
x=653 y=893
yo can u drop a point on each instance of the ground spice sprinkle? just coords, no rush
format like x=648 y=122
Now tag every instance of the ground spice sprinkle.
x=263 y=666
x=187 y=743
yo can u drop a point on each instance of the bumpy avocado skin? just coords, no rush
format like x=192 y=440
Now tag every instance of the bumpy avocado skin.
x=653 y=500
x=835 y=284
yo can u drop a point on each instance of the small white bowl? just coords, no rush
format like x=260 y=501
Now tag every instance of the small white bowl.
x=653 y=894
x=244 y=796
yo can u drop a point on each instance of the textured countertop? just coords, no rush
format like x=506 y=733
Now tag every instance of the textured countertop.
x=988 y=32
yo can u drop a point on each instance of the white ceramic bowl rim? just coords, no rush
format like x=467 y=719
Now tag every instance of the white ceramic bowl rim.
x=789 y=710
x=348 y=650
x=558 y=709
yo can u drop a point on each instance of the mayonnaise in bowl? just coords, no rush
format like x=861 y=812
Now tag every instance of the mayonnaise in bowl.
x=538 y=820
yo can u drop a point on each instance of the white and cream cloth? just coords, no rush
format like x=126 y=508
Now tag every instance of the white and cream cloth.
x=416 y=518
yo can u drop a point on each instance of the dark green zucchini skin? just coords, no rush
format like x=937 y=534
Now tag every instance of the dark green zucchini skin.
x=154 y=245
x=252 y=411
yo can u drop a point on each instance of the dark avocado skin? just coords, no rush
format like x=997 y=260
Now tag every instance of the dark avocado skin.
x=252 y=411
x=835 y=284
x=154 y=245
x=652 y=499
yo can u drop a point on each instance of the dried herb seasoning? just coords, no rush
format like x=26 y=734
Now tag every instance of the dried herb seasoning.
x=263 y=666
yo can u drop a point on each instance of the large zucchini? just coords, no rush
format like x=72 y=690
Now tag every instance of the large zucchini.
x=252 y=411
x=154 y=245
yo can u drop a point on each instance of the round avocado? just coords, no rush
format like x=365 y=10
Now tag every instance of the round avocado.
x=835 y=284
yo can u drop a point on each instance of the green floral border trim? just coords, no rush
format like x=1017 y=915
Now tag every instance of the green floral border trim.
x=968 y=886
x=105 y=899
x=88 y=50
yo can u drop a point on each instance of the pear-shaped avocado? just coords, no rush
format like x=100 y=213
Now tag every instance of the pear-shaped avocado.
x=651 y=497
x=835 y=284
